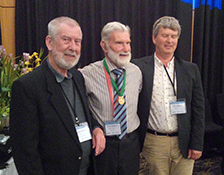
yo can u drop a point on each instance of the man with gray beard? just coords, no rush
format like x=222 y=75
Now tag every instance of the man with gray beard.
x=113 y=86
x=51 y=127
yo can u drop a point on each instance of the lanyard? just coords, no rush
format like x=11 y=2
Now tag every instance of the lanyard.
x=112 y=80
x=172 y=82
x=110 y=89
x=76 y=118
x=109 y=80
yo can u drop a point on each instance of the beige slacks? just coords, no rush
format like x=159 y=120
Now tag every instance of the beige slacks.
x=161 y=156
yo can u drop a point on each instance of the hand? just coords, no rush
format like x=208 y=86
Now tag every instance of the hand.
x=99 y=141
x=194 y=154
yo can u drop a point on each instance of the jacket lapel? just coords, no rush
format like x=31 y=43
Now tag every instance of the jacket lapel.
x=148 y=77
x=58 y=102
x=181 y=78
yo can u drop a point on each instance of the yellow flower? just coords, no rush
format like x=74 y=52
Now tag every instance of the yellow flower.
x=9 y=72
x=30 y=69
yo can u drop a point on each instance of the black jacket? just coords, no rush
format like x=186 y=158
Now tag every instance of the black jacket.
x=44 y=139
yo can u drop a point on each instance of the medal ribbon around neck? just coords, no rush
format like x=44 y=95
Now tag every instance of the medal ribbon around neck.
x=120 y=94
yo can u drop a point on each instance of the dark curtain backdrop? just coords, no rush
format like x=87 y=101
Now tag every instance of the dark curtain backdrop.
x=32 y=17
x=209 y=51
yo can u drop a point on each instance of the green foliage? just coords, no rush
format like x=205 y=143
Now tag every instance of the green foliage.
x=9 y=72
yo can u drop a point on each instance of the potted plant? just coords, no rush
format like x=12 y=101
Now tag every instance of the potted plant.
x=9 y=72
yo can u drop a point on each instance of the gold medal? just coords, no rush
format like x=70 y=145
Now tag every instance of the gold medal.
x=121 y=100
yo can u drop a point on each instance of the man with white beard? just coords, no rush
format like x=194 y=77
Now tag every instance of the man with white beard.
x=113 y=85
x=51 y=127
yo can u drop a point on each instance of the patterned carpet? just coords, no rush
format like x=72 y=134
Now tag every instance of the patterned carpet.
x=209 y=165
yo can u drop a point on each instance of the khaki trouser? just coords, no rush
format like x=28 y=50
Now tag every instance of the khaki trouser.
x=161 y=156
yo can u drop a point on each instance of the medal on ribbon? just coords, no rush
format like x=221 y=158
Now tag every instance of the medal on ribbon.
x=121 y=100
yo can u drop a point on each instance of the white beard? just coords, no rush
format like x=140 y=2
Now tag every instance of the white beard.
x=61 y=62
x=115 y=57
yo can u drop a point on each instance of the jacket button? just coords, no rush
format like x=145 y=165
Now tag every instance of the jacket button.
x=80 y=158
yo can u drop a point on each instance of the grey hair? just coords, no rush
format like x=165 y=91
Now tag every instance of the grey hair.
x=166 y=22
x=111 y=27
x=53 y=25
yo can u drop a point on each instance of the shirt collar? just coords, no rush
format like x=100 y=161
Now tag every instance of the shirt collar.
x=111 y=66
x=159 y=63
x=59 y=77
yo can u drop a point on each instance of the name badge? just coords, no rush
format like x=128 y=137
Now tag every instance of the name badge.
x=178 y=107
x=112 y=128
x=83 y=132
